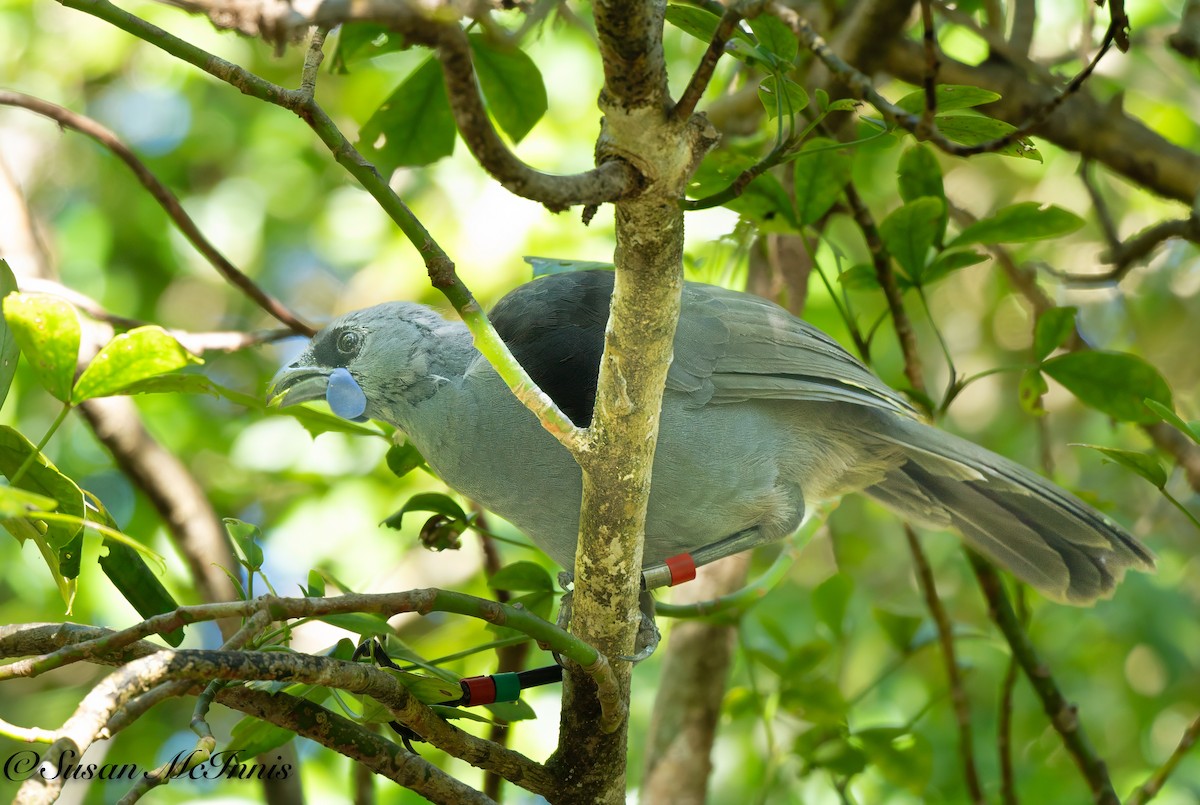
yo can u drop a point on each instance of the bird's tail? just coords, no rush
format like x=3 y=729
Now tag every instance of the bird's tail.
x=1046 y=536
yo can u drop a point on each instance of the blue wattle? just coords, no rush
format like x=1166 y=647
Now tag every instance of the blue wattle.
x=345 y=396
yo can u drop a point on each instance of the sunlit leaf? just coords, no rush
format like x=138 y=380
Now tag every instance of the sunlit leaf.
x=42 y=478
x=128 y=359
x=9 y=350
x=246 y=536
x=47 y=330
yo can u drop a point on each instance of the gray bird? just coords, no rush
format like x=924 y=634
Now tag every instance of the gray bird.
x=763 y=417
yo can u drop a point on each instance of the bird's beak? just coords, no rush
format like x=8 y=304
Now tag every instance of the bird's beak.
x=296 y=384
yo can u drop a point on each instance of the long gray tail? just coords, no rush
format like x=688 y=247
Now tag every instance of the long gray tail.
x=1046 y=536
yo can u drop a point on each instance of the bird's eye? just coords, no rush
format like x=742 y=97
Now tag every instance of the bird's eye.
x=349 y=342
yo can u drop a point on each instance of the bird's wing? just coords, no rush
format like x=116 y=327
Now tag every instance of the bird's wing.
x=729 y=347
x=733 y=346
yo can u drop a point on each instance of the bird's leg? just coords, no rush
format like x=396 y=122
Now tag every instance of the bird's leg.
x=648 y=636
x=678 y=569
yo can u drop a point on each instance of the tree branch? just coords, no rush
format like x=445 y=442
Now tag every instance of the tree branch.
x=708 y=64
x=438 y=264
x=958 y=694
x=1097 y=131
x=1063 y=716
x=165 y=198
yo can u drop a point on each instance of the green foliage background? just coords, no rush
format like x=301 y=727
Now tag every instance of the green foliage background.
x=267 y=194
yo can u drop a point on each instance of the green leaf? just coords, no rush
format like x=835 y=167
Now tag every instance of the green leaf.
x=316 y=585
x=949 y=98
x=859 y=278
x=246 y=536
x=133 y=578
x=910 y=231
x=403 y=459
x=130 y=358
x=948 y=262
x=1189 y=429
x=414 y=126
x=793 y=100
x=919 y=174
x=47 y=330
x=1019 y=223
x=1053 y=328
x=434 y=502
x=1143 y=464
x=251 y=737
x=763 y=201
x=835 y=753
x=521 y=576
x=819 y=180
x=829 y=601
x=512 y=86
x=1030 y=390
x=360 y=623
x=900 y=629
x=9 y=350
x=359 y=41
x=905 y=758
x=805 y=657
x=776 y=38
x=429 y=689
x=42 y=478
x=1116 y=383
x=512 y=711
x=172 y=384
x=16 y=502
x=814 y=698
x=698 y=22
x=975 y=130
x=545 y=266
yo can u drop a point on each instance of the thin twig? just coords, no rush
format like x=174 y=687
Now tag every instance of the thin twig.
x=958 y=693
x=862 y=87
x=1063 y=716
x=1008 y=779
x=887 y=280
x=437 y=263
x=708 y=64
x=1149 y=789
x=932 y=63
x=165 y=198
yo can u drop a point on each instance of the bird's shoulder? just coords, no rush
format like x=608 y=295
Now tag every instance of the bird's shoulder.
x=730 y=346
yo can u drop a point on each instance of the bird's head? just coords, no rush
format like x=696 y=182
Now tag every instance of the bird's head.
x=371 y=363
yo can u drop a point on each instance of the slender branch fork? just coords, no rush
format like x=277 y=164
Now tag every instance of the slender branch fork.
x=165 y=198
